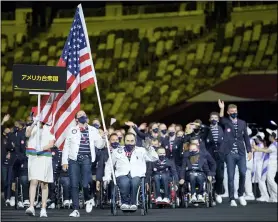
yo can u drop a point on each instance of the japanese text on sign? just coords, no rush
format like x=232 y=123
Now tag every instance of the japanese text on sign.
x=40 y=78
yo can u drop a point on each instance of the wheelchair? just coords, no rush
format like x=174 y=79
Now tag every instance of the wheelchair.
x=174 y=199
x=102 y=196
x=208 y=194
x=142 y=199
x=18 y=193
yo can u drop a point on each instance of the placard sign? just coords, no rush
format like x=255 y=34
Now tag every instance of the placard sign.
x=39 y=78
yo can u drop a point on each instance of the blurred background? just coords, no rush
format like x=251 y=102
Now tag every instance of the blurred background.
x=154 y=61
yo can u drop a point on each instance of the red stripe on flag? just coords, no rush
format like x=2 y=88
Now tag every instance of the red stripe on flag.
x=85 y=70
x=87 y=83
x=84 y=58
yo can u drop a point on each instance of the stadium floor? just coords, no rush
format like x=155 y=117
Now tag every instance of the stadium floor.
x=254 y=211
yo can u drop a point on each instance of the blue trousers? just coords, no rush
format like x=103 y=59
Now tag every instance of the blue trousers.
x=7 y=177
x=80 y=172
x=128 y=189
x=164 y=180
x=233 y=160
x=65 y=182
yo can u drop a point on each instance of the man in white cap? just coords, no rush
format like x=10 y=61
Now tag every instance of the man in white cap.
x=271 y=155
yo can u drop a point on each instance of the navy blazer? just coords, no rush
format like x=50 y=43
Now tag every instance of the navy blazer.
x=210 y=144
x=203 y=165
x=177 y=149
x=241 y=139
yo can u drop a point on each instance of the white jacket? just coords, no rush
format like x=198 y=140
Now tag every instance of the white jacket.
x=136 y=166
x=72 y=143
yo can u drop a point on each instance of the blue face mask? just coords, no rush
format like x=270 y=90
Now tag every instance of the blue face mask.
x=162 y=157
x=115 y=145
x=96 y=125
x=155 y=130
x=171 y=134
x=163 y=132
x=193 y=153
x=214 y=122
x=82 y=119
x=129 y=147
x=155 y=147
x=233 y=115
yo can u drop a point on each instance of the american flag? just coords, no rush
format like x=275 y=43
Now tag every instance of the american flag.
x=59 y=109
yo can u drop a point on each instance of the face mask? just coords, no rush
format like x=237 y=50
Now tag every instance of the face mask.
x=155 y=130
x=155 y=147
x=162 y=157
x=194 y=152
x=171 y=134
x=129 y=147
x=233 y=115
x=115 y=145
x=82 y=119
x=197 y=130
x=96 y=125
x=213 y=122
x=163 y=132
x=29 y=123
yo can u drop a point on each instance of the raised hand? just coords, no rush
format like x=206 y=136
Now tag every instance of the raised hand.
x=129 y=123
x=221 y=104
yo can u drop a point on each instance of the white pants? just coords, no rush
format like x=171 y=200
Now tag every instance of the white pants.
x=271 y=184
x=261 y=181
x=248 y=179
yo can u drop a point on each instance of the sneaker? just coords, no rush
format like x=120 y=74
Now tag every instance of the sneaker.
x=233 y=203
x=133 y=207
x=214 y=203
x=30 y=211
x=75 y=213
x=201 y=198
x=225 y=195
x=262 y=199
x=249 y=197
x=26 y=203
x=272 y=200
x=43 y=213
x=89 y=205
x=12 y=201
x=236 y=196
x=66 y=203
x=51 y=206
x=166 y=200
x=218 y=199
x=159 y=199
x=7 y=202
x=20 y=204
x=193 y=198
x=125 y=207
x=242 y=201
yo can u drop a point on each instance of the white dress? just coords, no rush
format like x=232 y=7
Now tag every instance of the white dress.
x=39 y=161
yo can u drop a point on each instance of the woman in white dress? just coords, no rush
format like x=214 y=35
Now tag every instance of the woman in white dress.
x=272 y=164
x=39 y=164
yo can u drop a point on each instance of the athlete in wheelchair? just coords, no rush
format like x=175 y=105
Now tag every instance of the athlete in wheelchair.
x=163 y=178
x=129 y=163
x=198 y=177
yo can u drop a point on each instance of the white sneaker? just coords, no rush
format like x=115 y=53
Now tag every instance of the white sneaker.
x=193 y=198
x=262 y=199
x=242 y=201
x=249 y=197
x=20 y=204
x=125 y=207
x=272 y=200
x=133 y=207
x=26 y=203
x=225 y=195
x=233 y=203
x=89 y=205
x=7 y=202
x=30 y=211
x=51 y=206
x=236 y=196
x=201 y=198
x=75 y=213
x=213 y=203
x=43 y=213
x=159 y=199
x=166 y=200
x=66 y=203
x=12 y=201
x=218 y=199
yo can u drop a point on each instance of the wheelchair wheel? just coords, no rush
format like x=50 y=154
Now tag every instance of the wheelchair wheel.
x=101 y=200
x=144 y=204
x=17 y=185
x=114 y=195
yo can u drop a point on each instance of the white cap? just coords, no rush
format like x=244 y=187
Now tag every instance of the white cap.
x=260 y=134
x=249 y=131
x=271 y=132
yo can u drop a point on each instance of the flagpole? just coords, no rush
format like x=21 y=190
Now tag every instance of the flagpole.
x=97 y=91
